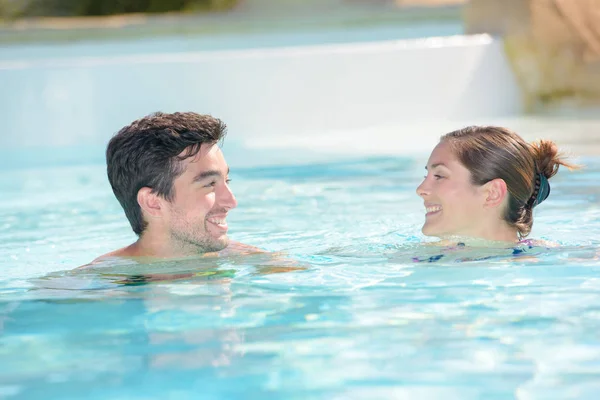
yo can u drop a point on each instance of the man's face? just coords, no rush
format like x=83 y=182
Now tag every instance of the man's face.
x=196 y=218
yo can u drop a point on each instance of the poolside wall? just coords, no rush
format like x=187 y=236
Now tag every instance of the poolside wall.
x=268 y=97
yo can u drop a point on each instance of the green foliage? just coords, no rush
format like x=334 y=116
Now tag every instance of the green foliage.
x=36 y=8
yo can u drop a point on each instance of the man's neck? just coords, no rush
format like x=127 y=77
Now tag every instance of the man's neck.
x=153 y=246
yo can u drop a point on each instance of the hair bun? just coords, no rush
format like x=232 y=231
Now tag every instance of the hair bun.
x=548 y=159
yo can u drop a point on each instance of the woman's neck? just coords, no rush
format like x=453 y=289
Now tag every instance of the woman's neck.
x=500 y=235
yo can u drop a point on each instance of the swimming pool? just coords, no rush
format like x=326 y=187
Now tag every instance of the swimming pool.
x=361 y=320
x=357 y=317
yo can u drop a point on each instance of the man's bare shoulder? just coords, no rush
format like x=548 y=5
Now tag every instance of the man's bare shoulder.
x=240 y=248
x=122 y=253
x=131 y=252
x=268 y=263
x=271 y=263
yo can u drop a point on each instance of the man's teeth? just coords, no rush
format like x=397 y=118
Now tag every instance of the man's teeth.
x=218 y=221
x=433 y=209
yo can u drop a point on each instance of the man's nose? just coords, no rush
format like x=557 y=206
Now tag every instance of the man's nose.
x=227 y=199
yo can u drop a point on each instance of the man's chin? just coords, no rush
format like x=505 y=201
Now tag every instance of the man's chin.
x=220 y=243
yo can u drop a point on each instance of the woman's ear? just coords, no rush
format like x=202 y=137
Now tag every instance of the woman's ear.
x=495 y=192
x=149 y=202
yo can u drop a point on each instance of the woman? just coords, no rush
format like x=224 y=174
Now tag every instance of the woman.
x=483 y=183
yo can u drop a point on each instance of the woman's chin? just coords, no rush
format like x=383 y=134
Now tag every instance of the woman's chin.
x=428 y=230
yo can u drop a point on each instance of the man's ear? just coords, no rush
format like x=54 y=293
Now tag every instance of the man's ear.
x=149 y=202
x=495 y=193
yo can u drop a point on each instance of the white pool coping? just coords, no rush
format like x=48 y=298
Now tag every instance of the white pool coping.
x=268 y=97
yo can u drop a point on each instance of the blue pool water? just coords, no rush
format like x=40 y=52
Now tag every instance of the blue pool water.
x=356 y=319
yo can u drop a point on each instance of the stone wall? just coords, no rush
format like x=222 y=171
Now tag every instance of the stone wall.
x=553 y=46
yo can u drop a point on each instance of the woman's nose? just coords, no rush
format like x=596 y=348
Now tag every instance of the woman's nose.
x=423 y=188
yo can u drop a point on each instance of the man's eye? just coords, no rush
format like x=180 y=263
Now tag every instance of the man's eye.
x=211 y=184
x=227 y=181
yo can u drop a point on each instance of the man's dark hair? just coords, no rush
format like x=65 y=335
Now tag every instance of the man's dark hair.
x=148 y=153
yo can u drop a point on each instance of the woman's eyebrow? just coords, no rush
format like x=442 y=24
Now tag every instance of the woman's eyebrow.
x=440 y=164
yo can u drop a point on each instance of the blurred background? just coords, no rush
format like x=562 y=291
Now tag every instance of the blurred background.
x=296 y=80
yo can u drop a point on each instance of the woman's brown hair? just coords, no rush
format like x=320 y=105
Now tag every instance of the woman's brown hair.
x=491 y=152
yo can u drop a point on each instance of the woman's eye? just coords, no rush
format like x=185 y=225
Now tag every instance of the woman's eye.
x=438 y=176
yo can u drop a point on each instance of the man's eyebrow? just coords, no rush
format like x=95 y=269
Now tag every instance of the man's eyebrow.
x=440 y=164
x=209 y=174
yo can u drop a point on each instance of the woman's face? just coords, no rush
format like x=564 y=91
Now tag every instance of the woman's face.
x=454 y=206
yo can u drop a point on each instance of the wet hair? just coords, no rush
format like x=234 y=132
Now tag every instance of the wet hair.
x=149 y=152
x=491 y=152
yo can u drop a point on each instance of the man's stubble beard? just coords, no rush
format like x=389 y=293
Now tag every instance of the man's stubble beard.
x=190 y=239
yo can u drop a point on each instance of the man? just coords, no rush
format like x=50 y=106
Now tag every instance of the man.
x=170 y=176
